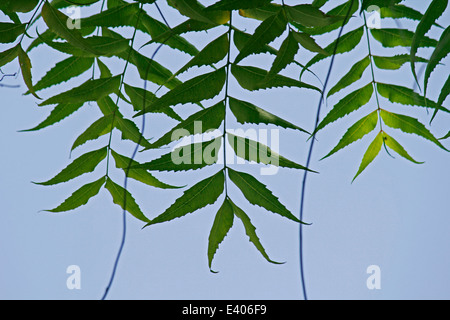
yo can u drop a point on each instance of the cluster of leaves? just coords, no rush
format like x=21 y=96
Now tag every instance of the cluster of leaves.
x=101 y=36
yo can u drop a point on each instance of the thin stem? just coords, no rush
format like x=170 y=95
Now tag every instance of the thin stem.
x=226 y=101
x=31 y=20
x=372 y=67
x=311 y=148
x=120 y=90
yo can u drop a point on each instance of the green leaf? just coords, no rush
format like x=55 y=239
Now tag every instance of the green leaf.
x=258 y=194
x=222 y=224
x=347 y=105
x=285 y=56
x=395 y=62
x=203 y=87
x=64 y=71
x=104 y=46
x=253 y=79
x=255 y=151
x=207 y=119
x=91 y=90
x=10 y=31
x=104 y=70
x=120 y=16
x=120 y=196
x=435 y=10
x=397 y=147
x=261 y=13
x=60 y=112
x=130 y=131
x=445 y=92
x=406 y=96
x=189 y=157
x=347 y=43
x=25 y=66
x=391 y=38
x=310 y=16
x=241 y=38
x=213 y=53
x=18 y=5
x=80 y=197
x=356 y=132
x=355 y=74
x=9 y=55
x=99 y=128
x=138 y=96
x=341 y=10
x=140 y=175
x=57 y=22
x=409 y=125
x=84 y=164
x=238 y=4
x=250 y=230
x=442 y=50
x=446 y=136
x=194 y=10
x=246 y=112
x=202 y=194
x=379 y=3
x=268 y=31
x=372 y=152
x=400 y=11
x=308 y=42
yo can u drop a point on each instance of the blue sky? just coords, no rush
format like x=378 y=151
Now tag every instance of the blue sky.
x=394 y=216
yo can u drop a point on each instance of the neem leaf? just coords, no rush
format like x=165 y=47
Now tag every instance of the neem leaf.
x=202 y=194
x=409 y=125
x=347 y=105
x=189 y=157
x=222 y=224
x=391 y=38
x=258 y=194
x=203 y=87
x=268 y=31
x=371 y=153
x=250 y=230
x=25 y=66
x=140 y=175
x=255 y=151
x=9 y=55
x=200 y=122
x=91 y=90
x=125 y=200
x=238 y=4
x=356 y=132
x=99 y=128
x=60 y=112
x=397 y=147
x=355 y=74
x=310 y=16
x=10 y=31
x=80 y=197
x=246 y=112
x=84 y=164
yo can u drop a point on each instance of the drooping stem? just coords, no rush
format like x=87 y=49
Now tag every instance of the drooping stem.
x=311 y=149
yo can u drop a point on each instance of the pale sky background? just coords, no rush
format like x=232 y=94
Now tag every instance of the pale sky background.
x=395 y=215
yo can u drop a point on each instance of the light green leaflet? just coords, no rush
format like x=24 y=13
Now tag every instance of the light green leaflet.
x=397 y=147
x=355 y=74
x=409 y=125
x=356 y=132
x=372 y=152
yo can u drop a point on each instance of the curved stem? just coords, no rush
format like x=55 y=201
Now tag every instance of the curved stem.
x=311 y=148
